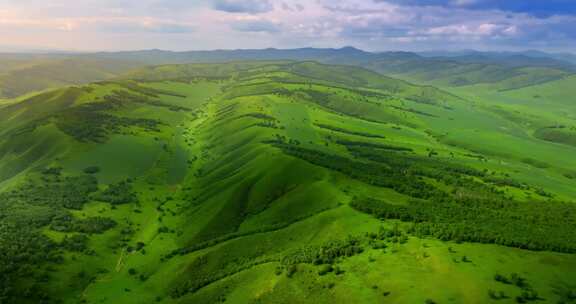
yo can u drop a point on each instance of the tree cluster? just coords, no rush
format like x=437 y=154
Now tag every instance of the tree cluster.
x=118 y=193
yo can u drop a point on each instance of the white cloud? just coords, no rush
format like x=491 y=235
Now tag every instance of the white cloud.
x=243 y=6
x=255 y=25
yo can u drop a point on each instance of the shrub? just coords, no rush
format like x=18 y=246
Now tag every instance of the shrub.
x=325 y=269
x=92 y=170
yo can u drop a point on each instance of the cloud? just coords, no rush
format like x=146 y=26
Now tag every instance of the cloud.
x=255 y=25
x=538 y=8
x=243 y=6
x=297 y=7
x=370 y=24
x=94 y=24
x=143 y=26
x=382 y=24
x=484 y=29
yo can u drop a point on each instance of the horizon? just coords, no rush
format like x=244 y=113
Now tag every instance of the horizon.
x=48 y=51
x=372 y=25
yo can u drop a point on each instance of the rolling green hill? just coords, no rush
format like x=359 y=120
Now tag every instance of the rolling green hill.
x=500 y=71
x=283 y=182
x=495 y=73
x=25 y=73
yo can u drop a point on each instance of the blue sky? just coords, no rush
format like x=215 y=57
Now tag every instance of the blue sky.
x=375 y=25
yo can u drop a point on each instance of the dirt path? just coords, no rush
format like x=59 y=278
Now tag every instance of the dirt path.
x=120 y=259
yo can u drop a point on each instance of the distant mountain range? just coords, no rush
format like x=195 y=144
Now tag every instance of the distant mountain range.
x=533 y=54
x=527 y=58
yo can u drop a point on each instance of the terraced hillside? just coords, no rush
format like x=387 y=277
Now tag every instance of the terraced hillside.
x=280 y=182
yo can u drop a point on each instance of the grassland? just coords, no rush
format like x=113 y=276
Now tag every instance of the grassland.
x=247 y=183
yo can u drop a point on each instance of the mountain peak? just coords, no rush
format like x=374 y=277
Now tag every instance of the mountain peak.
x=350 y=49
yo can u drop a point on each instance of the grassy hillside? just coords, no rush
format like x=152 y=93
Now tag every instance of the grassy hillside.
x=20 y=74
x=281 y=182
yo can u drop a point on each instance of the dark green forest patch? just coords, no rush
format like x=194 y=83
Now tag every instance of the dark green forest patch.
x=43 y=200
x=528 y=225
x=118 y=193
x=346 y=131
x=92 y=123
x=352 y=144
x=560 y=135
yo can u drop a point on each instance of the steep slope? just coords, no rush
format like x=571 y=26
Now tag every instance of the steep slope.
x=278 y=182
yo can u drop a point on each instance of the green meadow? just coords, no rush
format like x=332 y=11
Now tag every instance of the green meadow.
x=287 y=182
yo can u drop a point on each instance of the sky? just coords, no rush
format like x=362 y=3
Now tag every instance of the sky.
x=374 y=25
